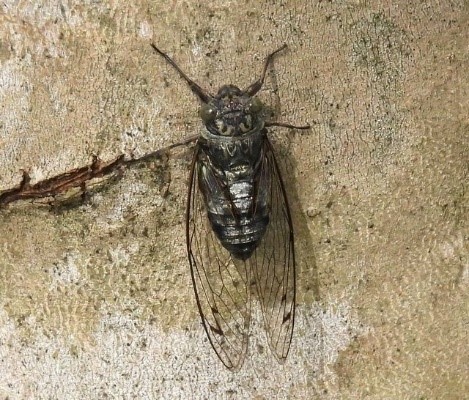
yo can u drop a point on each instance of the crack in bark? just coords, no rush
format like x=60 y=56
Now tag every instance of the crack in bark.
x=78 y=177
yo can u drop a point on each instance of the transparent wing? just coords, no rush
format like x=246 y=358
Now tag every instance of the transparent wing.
x=220 y=282
x=273 y=262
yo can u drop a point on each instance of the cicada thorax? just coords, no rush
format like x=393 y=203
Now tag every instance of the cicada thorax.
x=229 y=172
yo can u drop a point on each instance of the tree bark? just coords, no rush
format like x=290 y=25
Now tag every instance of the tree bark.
x=95 y=294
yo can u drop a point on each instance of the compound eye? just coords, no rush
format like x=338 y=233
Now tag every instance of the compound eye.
x=255 y=105
x=207 y=113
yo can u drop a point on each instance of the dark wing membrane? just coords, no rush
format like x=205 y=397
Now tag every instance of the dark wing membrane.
x=220 y=282
x=273 y=262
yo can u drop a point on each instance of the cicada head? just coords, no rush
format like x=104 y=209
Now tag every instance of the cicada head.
x=232 y=112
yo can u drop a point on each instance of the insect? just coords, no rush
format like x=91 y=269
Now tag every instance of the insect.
x=239 y=230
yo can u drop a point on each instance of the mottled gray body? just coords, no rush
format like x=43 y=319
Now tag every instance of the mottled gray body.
x=229 y=170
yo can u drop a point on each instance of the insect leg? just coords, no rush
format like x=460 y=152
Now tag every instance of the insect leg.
x=160 y=152
x=198 y=91
x=184 y=142
x=257 y=85
x=284 y=125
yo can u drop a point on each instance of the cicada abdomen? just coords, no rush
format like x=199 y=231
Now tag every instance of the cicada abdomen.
x=229 y=171
x=239 y=231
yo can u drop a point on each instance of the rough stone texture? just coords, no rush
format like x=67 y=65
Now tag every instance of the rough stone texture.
x=95 y=297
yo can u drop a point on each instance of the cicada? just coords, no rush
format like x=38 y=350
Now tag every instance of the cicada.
x=239 y=229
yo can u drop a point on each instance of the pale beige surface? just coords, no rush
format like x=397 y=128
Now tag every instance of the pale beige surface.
x=95 y=299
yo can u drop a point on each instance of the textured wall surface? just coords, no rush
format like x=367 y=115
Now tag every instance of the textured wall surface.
x=95 y=296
